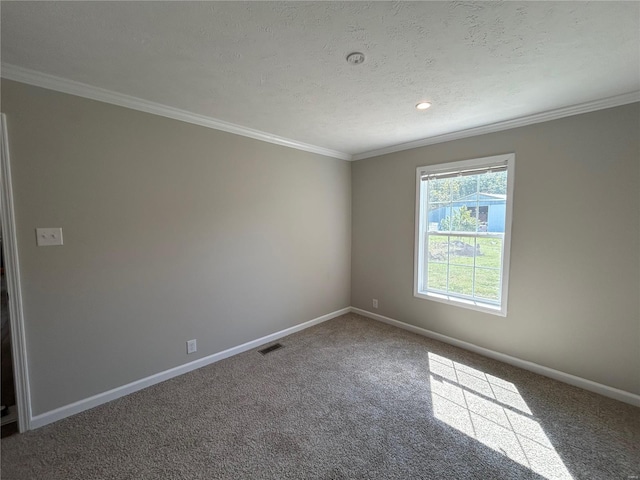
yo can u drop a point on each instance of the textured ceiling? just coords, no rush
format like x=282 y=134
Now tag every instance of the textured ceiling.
x=280 y=67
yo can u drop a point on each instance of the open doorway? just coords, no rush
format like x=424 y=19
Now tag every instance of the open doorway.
x=9 y=414
x=15 y=382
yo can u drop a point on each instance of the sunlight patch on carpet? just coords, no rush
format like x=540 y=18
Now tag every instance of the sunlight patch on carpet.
x=493 y=412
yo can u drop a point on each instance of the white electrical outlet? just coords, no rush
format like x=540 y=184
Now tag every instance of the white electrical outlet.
x=375 y=303
x=47 y=237
x=191 y=346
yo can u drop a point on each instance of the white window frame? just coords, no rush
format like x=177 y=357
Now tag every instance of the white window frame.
x=422 y=216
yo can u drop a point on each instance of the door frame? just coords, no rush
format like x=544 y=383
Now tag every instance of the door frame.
x=12 y=271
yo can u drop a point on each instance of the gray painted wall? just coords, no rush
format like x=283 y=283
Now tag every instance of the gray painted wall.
x=171 y=232
x=174 y=231
x=575 y=254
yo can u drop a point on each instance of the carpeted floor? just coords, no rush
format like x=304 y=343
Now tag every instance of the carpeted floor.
x=350 y=398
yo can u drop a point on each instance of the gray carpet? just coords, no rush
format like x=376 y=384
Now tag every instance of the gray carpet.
x=350 y=398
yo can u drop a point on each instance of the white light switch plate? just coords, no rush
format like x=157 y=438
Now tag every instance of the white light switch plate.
x=47 y=237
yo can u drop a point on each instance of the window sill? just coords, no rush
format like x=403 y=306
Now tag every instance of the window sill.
x=499 y=310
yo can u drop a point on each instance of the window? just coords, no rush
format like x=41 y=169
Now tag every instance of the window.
x=463 y=225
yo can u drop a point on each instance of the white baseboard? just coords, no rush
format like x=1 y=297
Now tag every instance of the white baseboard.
x=101 y=398
x=605 y=390
x=104 y=397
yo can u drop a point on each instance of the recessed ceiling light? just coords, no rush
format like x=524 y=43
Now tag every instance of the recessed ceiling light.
x=355 y=58
x=423 y=105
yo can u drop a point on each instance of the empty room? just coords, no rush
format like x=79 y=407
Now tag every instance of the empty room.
x=324 y=240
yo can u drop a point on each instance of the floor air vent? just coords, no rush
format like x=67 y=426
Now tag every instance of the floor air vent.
x=270 y=349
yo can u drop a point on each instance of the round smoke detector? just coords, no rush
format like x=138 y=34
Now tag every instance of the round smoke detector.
x=355 y=58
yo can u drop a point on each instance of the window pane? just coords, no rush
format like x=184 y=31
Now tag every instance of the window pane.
x=496 y=215
x=461 y=218
x=437 y=279
x=489 y=252
x=464 y=187
x=438 y=249
x=439 y=191
x=461 y=280
x=493 y=183
x=438 y=212
x=488 y=283
x=462 y=250
x=493 y=197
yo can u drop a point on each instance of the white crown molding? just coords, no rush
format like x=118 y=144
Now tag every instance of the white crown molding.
x=507 y=124
x=605 y=390
x=38 y=79
x=51 y=82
